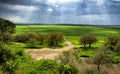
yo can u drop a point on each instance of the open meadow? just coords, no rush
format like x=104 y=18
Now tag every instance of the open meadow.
x=71 y=32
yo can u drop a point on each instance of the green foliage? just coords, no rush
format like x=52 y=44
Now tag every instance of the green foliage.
x=6 y=37
x=103 y=56
x=52 y=67
x=6 y=26
x=5 y=54
x=116 y=59
x=45 y=67
x=21 y=38
x=33 y=42
x=68 y=69
x=88 y=39
x=55 y=38
x=112 y=40
x=32 y=39
x=117 y=47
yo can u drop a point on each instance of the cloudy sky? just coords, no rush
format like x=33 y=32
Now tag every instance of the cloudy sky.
x=97 y=12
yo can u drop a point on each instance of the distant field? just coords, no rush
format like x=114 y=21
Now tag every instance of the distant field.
x=71 y=33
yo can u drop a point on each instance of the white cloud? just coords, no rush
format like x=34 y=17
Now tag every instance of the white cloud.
x=50 y=9
x=100 y=2
x=63 y=1
x=26 y=8
x=17 y=19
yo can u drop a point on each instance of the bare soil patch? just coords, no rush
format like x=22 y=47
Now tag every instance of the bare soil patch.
x=48 y=53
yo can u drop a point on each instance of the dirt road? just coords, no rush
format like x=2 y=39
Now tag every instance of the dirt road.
x=48 y=53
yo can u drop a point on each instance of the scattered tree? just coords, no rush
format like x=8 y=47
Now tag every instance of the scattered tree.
x=88 y=39
x=103 y=56
x=112 y=40
x=55 y=38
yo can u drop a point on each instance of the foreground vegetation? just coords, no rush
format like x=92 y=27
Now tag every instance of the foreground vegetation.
x=95 y=48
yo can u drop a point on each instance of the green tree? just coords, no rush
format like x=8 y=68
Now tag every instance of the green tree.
x=7 y=26
x=117 y=47
x=55 y=38
x=6 y=29
x=88 y=39
x=102 y=56
x=112 y=40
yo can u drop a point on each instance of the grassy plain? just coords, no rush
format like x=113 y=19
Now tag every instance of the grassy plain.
x=72 y=33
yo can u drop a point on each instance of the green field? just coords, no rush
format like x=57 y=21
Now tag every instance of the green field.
x=71 y=33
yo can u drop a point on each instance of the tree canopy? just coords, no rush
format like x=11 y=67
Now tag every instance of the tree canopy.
x=88 y=39
x=7 y=26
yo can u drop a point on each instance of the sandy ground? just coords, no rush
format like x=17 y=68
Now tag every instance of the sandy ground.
x=48 y=53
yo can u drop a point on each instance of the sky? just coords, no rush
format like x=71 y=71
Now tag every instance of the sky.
x=96 y=12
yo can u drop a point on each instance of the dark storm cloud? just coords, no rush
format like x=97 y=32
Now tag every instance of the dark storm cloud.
x=40 y=11
x=17 y=2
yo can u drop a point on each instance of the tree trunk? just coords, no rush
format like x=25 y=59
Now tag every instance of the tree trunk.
x=84 y=45
x=98 y=67
x=90 y=45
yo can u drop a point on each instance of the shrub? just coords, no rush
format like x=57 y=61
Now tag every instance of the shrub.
x=33 y=42
x=32 y=39
x=52 y=67
x=21 y=38
x=5 y=54
x=6 y=37
x=116 y=59
x=67 y=69
x=45 y=67
x=55 y=38
x=112 y=40
x=117 y=47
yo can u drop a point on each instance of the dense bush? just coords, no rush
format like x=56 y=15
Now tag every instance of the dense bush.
x=45 y=67
x=117 y=47
x=6 y=37
x=116 y=59
x=68 y=69
x=88 y=39
x=5 y=54
x=21 y=38
x=32 y=39
x=6 y=26
x=55 y=38
x=112 y=41
x=52 y=67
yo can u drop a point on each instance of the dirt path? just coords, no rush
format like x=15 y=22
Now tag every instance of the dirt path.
x=48 y=53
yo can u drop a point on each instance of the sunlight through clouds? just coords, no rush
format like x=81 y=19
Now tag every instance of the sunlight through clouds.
x=62 y=1
x=61 y=11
